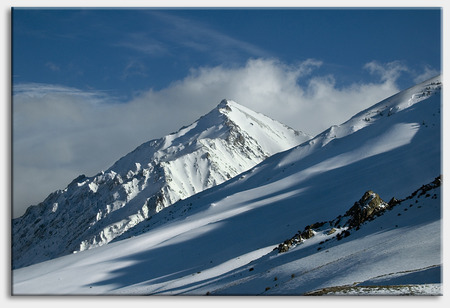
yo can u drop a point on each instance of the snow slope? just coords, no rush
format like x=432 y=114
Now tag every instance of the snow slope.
x=222 y=240
x=92 y=211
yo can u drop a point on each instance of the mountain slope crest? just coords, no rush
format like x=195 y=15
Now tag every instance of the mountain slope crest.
x=92 y=211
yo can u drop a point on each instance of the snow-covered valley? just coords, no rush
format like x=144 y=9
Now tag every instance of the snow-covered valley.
x=223 y=239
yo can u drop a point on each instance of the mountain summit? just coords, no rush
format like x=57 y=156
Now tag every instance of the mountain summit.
x=92 y=211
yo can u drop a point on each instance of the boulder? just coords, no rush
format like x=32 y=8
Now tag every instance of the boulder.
x=308 y=233
x=365 y=209
x=331 y=231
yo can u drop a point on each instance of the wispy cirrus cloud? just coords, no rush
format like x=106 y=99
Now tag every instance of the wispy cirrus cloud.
x=178 y=32
x=143 y=43
x=174 y=37
x=40 y=90
x=203 y=37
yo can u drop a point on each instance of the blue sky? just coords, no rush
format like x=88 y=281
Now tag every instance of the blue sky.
x=90 y=85
x=127 y=51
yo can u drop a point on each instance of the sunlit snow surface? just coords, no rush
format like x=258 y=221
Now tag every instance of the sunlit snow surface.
x=93 y=211
x=221 y=240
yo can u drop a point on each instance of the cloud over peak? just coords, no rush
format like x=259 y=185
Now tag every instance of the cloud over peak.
x=60 y=132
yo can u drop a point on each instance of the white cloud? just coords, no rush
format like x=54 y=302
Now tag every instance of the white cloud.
x=427 y=73
x=273 y=88
x=61 y=132
x=389 y=71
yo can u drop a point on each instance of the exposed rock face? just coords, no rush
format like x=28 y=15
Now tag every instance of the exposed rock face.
x=307 y=234
x=425 y=188
x=331 y=231
x=363 y=210
x=368 y=206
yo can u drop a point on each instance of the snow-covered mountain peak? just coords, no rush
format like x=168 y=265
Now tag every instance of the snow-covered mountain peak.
x=226 y=104
x=228 y=121
x=218 y=146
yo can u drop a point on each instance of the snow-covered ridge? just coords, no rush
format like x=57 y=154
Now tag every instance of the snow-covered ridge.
x=92 y=211
x=221 y=240
x=378 y=112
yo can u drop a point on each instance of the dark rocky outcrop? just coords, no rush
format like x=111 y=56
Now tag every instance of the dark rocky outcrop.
x=366 y=209
x=307 y=234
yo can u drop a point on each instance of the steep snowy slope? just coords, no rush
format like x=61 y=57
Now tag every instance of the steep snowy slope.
x=92 y=211
x=224 y=240
x=397 y=251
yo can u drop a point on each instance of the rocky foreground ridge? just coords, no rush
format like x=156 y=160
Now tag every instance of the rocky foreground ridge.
x=369 y=207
